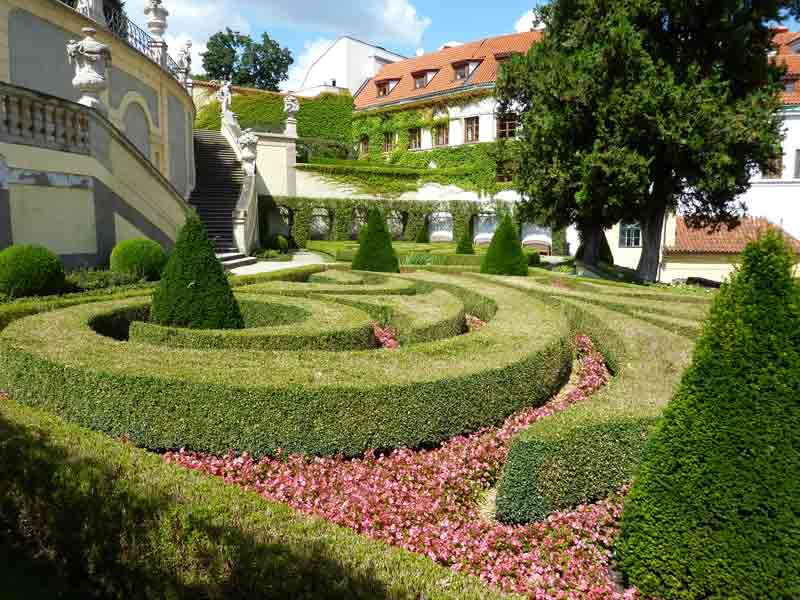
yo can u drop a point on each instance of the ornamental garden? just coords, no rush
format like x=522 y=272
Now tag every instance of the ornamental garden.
x=372 y=428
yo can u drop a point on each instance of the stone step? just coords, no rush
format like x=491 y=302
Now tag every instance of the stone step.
x=239 y=262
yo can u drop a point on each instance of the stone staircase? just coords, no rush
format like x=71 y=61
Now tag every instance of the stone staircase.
x=219 y=183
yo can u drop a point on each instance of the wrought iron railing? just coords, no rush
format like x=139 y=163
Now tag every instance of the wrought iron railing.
x=137 y=38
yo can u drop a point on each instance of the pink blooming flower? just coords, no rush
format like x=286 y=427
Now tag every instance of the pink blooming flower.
x=386 y=336
x=474 y=323
x=428 y=502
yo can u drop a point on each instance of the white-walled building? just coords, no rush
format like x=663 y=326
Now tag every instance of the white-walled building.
x=347 y=64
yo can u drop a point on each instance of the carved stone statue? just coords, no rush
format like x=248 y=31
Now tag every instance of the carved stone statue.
x=224 y=96
x=92 y=9
x=248 y=143
x=156 y=18
x=185 y=56
x=291 y=105
x=91 y=60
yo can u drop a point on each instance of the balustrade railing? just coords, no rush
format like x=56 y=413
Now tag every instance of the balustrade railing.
x=47 y=122
x=137 y=38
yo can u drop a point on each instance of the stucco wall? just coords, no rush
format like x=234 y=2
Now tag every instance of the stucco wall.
x=137 y=128
x=79 y=206
x=713 y=267
x=350 y=62
x=33 y=37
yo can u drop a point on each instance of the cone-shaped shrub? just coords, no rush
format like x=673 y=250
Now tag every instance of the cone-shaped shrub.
x=375 y=252
x=465 y=242
x=422 y=234
x=194 y=291
x=505 y=256
x=713 y=511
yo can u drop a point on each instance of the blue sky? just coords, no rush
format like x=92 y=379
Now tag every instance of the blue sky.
x=307 y=27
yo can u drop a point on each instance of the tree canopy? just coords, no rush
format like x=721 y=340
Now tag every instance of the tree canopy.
x=632 y=109
x=236 y=57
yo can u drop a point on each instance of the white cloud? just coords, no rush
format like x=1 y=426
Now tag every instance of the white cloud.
x=527 y=22
x=312 y=50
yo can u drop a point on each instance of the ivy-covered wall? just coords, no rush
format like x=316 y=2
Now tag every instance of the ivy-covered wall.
x=477 y=163
x=326 y=117
x=415 y=214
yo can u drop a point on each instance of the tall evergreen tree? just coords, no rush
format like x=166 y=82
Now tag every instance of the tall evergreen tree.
x=632 y=109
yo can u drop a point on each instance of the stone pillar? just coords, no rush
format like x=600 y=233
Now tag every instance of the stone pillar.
x=91 y=60
x=248 y=144
x=291 y=105
x=92 y=9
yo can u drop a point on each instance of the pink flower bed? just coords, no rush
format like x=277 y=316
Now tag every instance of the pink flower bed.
x=428 y=502
x=474 y=323
x=386 y=336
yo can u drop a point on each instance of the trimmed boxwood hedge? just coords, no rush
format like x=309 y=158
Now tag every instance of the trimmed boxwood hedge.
x=121 y=523
x=595 y=447
x=139 y=257
x=320 y=403
x=505 y=256
x=330 y=326
x=713 y=511
x=30 y=271
x=375 y=251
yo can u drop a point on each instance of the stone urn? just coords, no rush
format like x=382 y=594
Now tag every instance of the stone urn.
x=91 y=59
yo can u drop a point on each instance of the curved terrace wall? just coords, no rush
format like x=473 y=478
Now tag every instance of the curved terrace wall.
x=145 y=101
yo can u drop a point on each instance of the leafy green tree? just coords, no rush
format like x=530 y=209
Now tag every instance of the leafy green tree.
x=236 y=57
x=633 y=109
x=505 y=255
x=375 y=251
x=713 y=509
x=194 y=291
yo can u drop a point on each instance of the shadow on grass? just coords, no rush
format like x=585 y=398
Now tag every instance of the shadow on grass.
x=99 y=530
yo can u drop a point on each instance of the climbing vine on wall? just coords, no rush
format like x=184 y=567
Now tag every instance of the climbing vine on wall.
x=326 y=117
x=415 y=214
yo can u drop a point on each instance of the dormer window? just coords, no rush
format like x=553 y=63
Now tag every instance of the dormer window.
x=462 y=71
x=385 y=87
x=423 y=78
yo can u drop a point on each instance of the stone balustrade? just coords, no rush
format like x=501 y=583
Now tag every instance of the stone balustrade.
x=36 y=119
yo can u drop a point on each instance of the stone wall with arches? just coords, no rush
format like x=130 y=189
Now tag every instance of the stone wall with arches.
x=141 y=92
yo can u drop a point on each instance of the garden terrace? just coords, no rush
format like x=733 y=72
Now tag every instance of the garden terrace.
x=309 y=401
x=592 y=449
x=585 y=448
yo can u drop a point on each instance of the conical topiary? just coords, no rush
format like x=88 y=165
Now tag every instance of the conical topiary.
x=505 y=256
x=422 y=233
x=713 y=511
x=375 y=252
x=194 y=291
x=465 y=242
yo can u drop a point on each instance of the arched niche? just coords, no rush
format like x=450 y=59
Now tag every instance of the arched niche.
x=396 y=222
x=137 y=128
x=486 y=224
x=537 y=237
x=321 y=224
x=360 y=214
x=440 y=227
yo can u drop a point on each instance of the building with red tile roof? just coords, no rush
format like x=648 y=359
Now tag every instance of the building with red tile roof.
x=452 y=70
x=721 y=241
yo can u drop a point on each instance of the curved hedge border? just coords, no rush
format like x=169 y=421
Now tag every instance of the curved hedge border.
x=320 y=403
x=123 y=524
x=592 y=449
x=372 y=284
x=333 y=327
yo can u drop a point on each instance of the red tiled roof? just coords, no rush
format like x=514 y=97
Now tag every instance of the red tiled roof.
x=442 y=61
x=722 y=241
